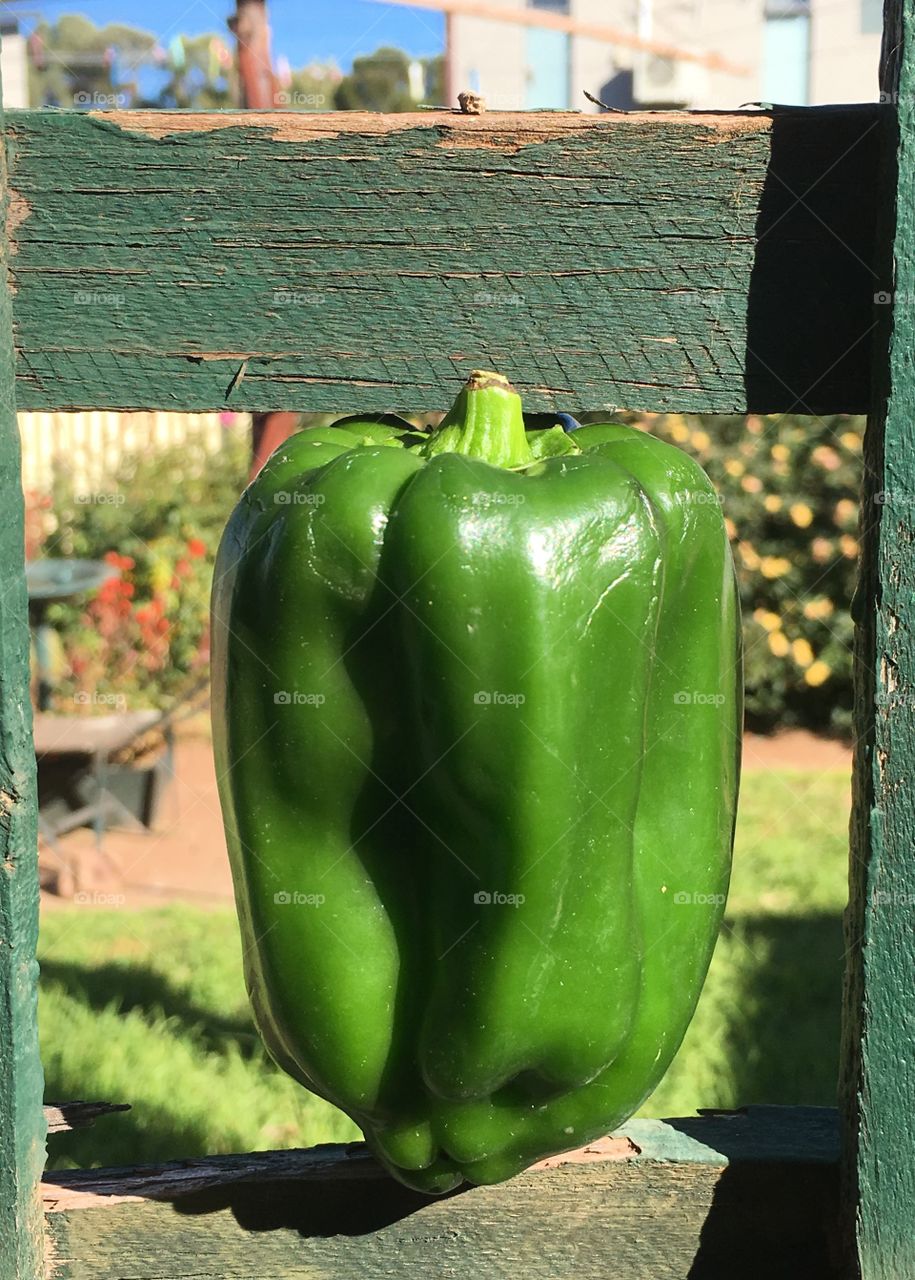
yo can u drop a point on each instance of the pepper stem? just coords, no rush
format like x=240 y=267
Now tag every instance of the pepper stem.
x=484 y=422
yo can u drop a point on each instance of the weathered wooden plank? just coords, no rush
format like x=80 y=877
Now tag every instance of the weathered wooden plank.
x=691 y=261
x=21 y=1119
x=65 y=1116
x=749 y=1194
x=879 y=1067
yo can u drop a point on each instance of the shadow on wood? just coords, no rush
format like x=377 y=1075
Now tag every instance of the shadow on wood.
x=813 y=285
x=313 y=1209
x=768 y=1193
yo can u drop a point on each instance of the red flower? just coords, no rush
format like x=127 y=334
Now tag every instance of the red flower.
x=124 y=563
x=196 y=549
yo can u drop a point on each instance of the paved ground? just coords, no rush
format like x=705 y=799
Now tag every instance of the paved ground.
x=185 y=858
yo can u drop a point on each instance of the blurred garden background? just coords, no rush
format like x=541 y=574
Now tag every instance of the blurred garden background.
x=142 y=997
x=788 y=488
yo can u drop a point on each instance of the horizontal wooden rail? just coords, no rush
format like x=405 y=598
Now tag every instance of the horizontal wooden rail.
x=707 y=262
x=748 y=1194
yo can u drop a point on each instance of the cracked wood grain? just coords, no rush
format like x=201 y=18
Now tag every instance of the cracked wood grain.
x=750 y=1194
x=657 y=261
x=22 y=1127
x=878 y=1078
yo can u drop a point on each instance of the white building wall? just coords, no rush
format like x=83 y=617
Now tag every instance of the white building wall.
x=491 y=56
x=14 y=71
x=595 y=63
x=844 y=60
x=733 y=28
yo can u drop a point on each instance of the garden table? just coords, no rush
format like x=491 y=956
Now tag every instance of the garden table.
x=49 y=581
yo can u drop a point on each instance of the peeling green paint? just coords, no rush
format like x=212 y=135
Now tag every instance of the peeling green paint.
x=22 y=1126
x=648 y=262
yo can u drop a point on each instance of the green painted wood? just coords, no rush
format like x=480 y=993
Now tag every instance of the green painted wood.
x=879 y=1065
x=744 y=1195
x=287 y=261
x=22 y=1126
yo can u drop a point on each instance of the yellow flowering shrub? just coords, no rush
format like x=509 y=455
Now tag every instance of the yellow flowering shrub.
x=789 y=490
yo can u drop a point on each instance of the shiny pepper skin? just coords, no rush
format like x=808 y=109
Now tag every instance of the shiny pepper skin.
x=477 y=709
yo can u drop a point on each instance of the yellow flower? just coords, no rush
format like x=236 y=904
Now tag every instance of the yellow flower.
x=781 y=452
x=730 y=527
x=817 y=610
x=773 y=566
x=801 y=515
x=826 y=458
x=748 y=554
x=700 y=440
x=751 y=484
x=849 y=546
x=772 y=502
x=734 y=467
x=851 y=440
x=778 y=643
x=678 y=428
x=821 y=549
x=161 y=574
x=818 y=674
x=846 y=511
x=765 y=618
x=802 y=653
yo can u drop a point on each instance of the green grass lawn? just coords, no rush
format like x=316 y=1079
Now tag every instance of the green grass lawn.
x=148 y=1007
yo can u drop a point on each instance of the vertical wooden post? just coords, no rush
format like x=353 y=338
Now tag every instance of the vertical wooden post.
x=268 y=431
x=255 y=71
x=878 y=1084
x=449 y=76
x=22 y=1127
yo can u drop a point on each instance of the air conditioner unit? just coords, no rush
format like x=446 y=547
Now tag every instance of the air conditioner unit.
x=668 y=82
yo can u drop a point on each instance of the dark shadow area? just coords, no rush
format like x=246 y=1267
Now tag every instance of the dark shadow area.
x=775 y=1207
x=784 y=1029
x=617 y=92
x=314 y=1208
x=133 y=986
x=769 y=1221
x=813 y=286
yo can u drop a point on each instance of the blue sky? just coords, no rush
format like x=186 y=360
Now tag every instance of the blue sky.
x=302 y=29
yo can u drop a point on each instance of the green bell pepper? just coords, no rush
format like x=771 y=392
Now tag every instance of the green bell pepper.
x=477 y=709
